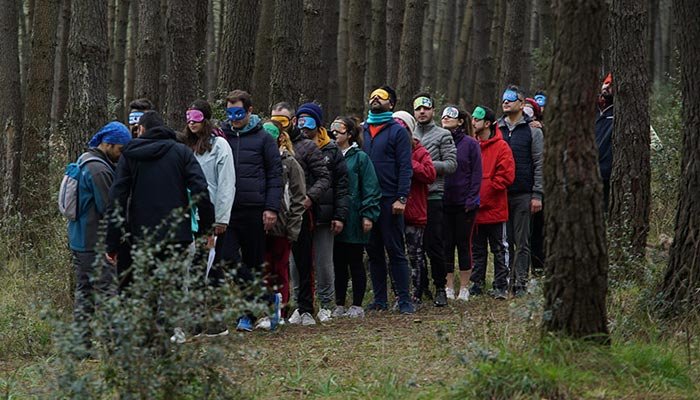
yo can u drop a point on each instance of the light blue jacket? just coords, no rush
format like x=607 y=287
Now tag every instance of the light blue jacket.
x=217 y=165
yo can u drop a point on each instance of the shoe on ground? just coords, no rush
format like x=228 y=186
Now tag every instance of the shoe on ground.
x=338 y=311
x=245 y=324
x=178 y=336
x=476 y=290
x=376 y=307
x=295 y=318
x=450 y=294
x=499 y=294
x=463 y=294
x=441 y=297
x=355 y=312
x=307 y=319
x=216 y=329
x=324 y=315
x=264 y=323
x=407 y=308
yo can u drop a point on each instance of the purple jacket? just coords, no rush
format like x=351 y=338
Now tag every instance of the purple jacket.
x=463 y=186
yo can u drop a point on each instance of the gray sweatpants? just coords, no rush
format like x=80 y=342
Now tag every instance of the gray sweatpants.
x=324 y=272
x=519 y=218
x=93 y=277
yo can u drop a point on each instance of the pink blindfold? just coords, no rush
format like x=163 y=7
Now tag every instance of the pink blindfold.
x=194 y=116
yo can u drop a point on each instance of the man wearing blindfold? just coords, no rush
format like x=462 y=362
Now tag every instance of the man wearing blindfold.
x=138 y=107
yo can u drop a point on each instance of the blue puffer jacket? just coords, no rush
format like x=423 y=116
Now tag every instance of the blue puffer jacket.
x=258 y=166
x=390 y=152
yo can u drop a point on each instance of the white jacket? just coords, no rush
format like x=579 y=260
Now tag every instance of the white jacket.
x=217 y=165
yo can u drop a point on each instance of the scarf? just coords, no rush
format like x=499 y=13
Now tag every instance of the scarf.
x=252 y=123
x=379 y=118
x=322 y=138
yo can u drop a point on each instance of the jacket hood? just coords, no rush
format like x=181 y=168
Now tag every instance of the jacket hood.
x=152 y=145
x=253 y=125
x=352 y=150
x=493 y=139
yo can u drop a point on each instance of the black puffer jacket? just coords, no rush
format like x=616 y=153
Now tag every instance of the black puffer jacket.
x=152 y=178
x=333 y=204
x=308 y=155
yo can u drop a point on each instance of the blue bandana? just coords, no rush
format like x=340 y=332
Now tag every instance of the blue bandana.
x=112 y=133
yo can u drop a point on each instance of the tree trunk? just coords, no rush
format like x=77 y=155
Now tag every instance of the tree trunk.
x=286 y=42
x=200 y=11
x=653 y=16
x=394 y=27
x=238 y=46
x=88 y=55
x=447 y=39
x=377 y=45
x=577 y=262
x=111 y=22
x=546 y=21
x=409 y=64
x=484 y=82
x=343 y=43
x=165 y=57
x=148 y=52
x=512 y=43
x=219 y=41
x=427 y=54
x=10 y=104
x=60 y=85
x=313 y=63
x=470 y=77
x=459 y=69
x=330 y=47
x=631 y=174
x=357 y=63
x=131 y=57
x=208 y=83
x=497 y=38
x=24 y=47
x=681 y=286
x=531 y=79
x=263 y=55
x=116 y=82
x=525 y=49
x=37 y=109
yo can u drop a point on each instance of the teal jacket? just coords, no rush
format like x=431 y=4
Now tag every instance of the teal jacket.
x=365 y=195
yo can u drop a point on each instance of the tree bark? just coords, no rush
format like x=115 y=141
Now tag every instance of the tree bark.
x=263 y=55
x=88 y=55
x=497 y=38
x=484 y=82
x=37 y=110
x=630 y=183
x=546 y=21
x=148 y=52
x=525 y=49
x=409 y=64
x=427 y=79
x=459 y=66
x=116 y=82
x=394 y=27
x=286 y=42
x=681 y=285
x=238 y=46
x=512 y=43
x=60 y=86
x=330 y=47
x=208 y=83
x=357 y=62
x=311 y=46
x=200 y=11
x=10 y=104
x=131 y=57
x=343 y=43
x=577 y=261
x=447 y=39
x=377 y=45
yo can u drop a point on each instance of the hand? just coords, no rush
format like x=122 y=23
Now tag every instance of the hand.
x=366 y=225
x=211 y=242
x=269 y=219
x=336 y=226
x=111 y=257
x=219 y=229
x=307 y=202
x=398 y=207
x=535 y=205
x=536 y=124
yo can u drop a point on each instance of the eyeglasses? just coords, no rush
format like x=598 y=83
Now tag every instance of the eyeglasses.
x=381 y=94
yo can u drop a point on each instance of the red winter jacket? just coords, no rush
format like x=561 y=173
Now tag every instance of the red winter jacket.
x=424 y=174
x=498 y=169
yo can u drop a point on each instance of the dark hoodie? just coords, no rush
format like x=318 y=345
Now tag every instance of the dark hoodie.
x=152 y=178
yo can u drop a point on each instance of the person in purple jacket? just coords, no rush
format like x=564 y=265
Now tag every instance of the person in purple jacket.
x=461 y=198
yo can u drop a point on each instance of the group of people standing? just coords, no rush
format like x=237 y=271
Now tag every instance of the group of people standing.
x=299 y=204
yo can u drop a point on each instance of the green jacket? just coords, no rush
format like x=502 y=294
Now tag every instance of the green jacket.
x=365 y=195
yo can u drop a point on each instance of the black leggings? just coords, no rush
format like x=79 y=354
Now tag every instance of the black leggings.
x=348 y=256
x=458 y=227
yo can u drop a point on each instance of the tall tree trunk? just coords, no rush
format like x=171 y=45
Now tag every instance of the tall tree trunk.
x=470 y=72
x=164 y=79
x=131 y=56
x=24 y=46
x=546 y=21
x=201 y=17
x=525 y=49
x=263 y=55
x=377 y=45
x=37 y=110
x=427 y=47
x=88 y=55
x=238 y=47
x=531 y=79
x=60 y=85
x=148 y=52
x=459 y=64
x=219 y=40
x=512 y=43
x=357 y=62
x=111 y=23
x=313 y=63
x=409 y=64
x=680 y=288
x=447 y=39
x=574 y=295
x=286 y=42
x=208 y=83
x=343 y=43
x=497 y=37
x=630 y=183
x=330 y=47
x=484 y=82
x=116 y=82
x=394 y=27
x=10 y=104
x=653 y=16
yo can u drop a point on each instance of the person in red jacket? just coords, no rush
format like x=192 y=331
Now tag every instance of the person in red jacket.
x=498 y=169
x=416 y=214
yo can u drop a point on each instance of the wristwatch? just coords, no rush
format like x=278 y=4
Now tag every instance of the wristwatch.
x=402 y=200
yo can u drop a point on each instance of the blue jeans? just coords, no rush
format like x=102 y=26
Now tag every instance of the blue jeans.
x=388 y=233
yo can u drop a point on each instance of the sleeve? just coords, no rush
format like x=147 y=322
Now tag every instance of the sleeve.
x=403 y=160
x=340 y=188
x=226 y=184
x=273 y=174
x=116 y=212
x=370 y=192
x=101 y=182
x=504 y=171
x=197 y=183
x=473 y=200
x=537 y=160
x=297 y=193
x=448 y=151
x=322 y=177
x=423 y=168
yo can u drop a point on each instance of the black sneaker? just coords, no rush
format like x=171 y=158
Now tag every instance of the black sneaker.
x=476 y=290
x=440 y=298
x=499 y=294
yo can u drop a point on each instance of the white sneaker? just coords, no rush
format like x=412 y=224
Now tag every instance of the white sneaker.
x=355 y=312
x=463 y=294
x=295 y=318
x=307 y=319
x=324 y=315
x=338 y=311
x=450 y=293
x=264 y=323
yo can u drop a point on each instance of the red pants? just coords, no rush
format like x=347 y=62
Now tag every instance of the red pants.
x=277 y=251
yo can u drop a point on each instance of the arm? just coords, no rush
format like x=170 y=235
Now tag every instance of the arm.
x=402 y=149
x=316 y=164
x=101 y=182
x=370 y=193
x=116 y=212
x=537 y=159
x=197 y=183
x=273 y=174
x=340 y=188
x=297 y=193
x=473 y=200
x=226 y=185
x=504 y=173
x=448 y=151
x=423 y=168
